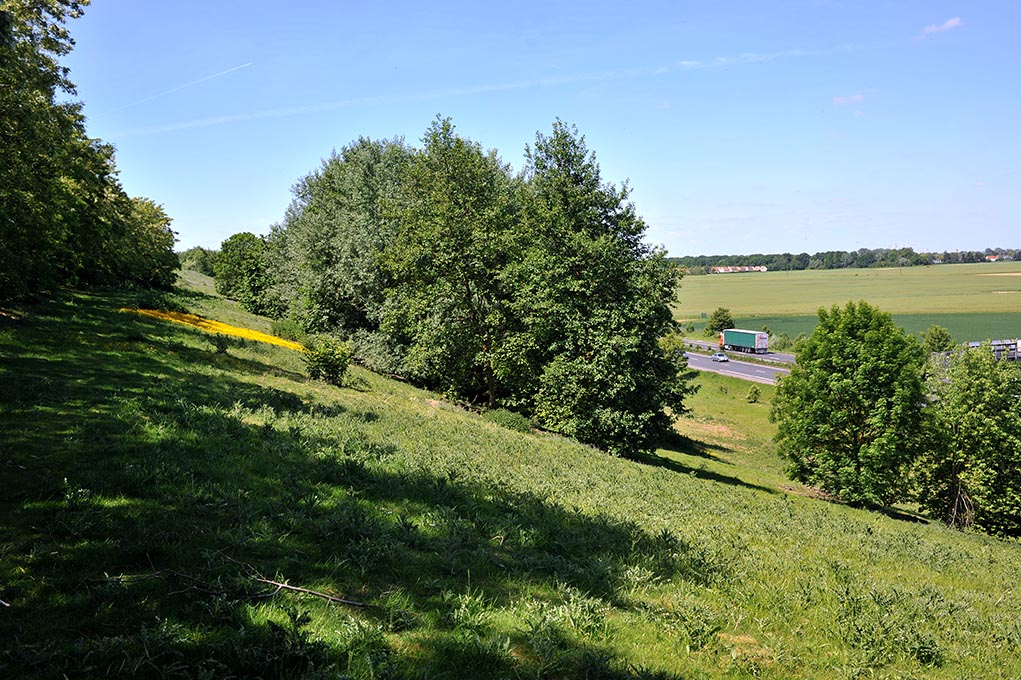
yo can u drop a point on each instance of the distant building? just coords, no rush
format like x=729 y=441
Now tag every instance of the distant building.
x=992 y=258
x=736 y=270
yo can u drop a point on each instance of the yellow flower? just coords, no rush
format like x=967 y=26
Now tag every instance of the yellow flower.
x=216 y=327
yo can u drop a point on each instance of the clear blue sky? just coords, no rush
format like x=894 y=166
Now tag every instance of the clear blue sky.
x=794 y=125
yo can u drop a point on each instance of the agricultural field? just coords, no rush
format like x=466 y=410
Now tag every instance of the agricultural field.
x=973 y=301
x=173 y=511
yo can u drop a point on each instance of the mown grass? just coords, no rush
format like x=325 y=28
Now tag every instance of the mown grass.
x=150 y=481
x=973 y=301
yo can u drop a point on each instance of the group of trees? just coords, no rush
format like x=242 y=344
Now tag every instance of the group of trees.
x=65 y=220
x=532 y=291
x=871 y=417
x=838 y=259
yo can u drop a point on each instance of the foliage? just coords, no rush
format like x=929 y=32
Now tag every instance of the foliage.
x=328 y=359
x=533 y=292
x=509 y=419
x=242 y=272
x=719 y=321
x=64 y=218
x=199 y=259
x=849 y=414
x=970 y=474
x=446 y=260
x=147 y=247
x=754 y=394
x=593 y=301
x=937 y=339
x=327 y=254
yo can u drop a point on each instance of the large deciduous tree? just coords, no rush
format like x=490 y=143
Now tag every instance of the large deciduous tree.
x=455 y=238
x=327 y=254
x=592 y=300
x=970 y=474
x=535 y=292
x=64 y=218
x=242 y=272
x=849 y=414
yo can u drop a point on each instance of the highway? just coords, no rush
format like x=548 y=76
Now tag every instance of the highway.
x=737 y=369
x=778 y=357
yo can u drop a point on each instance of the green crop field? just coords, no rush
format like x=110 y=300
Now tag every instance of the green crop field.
x=973 y=301
x=171 y=511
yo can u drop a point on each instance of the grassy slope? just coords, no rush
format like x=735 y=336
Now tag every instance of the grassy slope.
x=148 y=480
x=974 y=301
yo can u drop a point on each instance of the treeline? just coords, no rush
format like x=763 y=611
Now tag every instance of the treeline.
x=65 y=220
x=534 y=291
x=839 y=259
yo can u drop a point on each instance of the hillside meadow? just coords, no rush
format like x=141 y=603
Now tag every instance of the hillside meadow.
x=171 y=511
x=973 y=301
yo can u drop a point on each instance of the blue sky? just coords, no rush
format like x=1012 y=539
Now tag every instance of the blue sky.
x=785 y=126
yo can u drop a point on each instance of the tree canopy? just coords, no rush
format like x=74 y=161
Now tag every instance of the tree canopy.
x=719 y=321
x=970 y=473
x=64 y=218
x=534 y=292
x=849 y=415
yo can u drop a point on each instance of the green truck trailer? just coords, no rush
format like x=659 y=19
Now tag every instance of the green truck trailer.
x=738 y=340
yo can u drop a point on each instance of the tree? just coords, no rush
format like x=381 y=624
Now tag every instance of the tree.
x=849 y=415
x=146 y=253
x=327 y=255
x=937 y=339
x=454 y=239
x=64 y=217
x=970 y=474
x=718 y=321
x=199 y=259
x=42 y=142
x=241 y=271
x=593 y=302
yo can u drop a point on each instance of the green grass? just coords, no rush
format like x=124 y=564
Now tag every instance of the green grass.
x=973 y=301
x=149 y=481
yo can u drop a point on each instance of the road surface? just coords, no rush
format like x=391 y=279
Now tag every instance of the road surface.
x=737 y=369
x=778 y=357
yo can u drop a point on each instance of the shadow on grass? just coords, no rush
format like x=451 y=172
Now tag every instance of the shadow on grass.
x=698 y=472
x=142 y=498
x=675 y=441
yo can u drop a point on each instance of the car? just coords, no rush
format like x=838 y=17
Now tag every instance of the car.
x=720 y=356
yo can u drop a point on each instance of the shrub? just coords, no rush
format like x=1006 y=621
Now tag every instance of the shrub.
x=753 y=394
x=288 y=329
x=327 y=359
x=509 y=419
x=221 y=342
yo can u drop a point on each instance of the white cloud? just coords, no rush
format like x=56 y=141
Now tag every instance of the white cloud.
x=856 y=98
x=954 y=22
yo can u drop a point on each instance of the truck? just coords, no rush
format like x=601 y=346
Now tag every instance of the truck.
x=736 y=339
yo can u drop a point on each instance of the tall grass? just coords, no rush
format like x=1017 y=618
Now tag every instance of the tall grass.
x=151 y=482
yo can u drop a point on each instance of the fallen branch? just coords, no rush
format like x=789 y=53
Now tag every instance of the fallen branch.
x=307 y=591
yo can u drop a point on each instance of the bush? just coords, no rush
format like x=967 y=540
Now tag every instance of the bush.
x=288 y=329
x=327 y=359
x=509 y=419
x=753 y=394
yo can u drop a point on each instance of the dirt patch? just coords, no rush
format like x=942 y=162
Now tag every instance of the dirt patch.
x=711 y=429
x=810 y=492
x=1001 y=274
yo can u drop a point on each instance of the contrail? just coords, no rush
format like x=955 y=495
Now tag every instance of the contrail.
x=181 y=87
